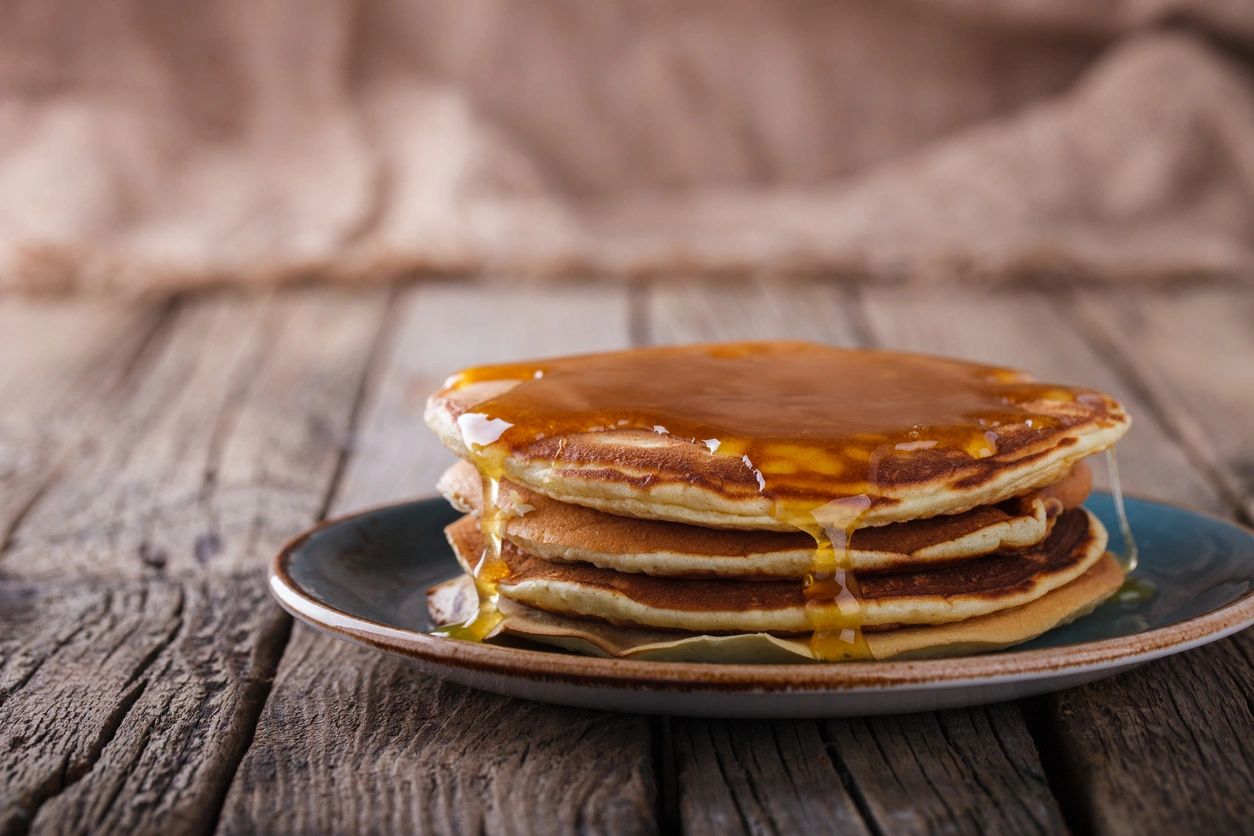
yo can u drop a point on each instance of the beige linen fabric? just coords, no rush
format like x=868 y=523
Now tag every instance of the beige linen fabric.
x=152 y=144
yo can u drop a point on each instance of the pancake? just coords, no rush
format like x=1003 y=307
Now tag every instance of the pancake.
x=703 y=499
x=455 y=601
x=954 y=592
x=561 y=532
x=771 y=436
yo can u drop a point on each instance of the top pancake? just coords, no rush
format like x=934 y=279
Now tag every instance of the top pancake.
x=774 y=436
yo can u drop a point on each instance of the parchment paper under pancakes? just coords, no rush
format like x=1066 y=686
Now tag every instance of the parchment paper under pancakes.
x=454 y=601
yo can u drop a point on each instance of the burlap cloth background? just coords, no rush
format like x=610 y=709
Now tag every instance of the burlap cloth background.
x=160 y=143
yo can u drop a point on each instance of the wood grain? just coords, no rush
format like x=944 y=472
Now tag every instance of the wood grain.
x=1191 y=354
x=146 y=641
x=226 y=442
x=69 y=685
x=136 y=711
x=353 y=741
x=60 y=364
x=1112 y=746
x=947 y=772
x=750 y=310
x=1168 y=747
x=967 y=771
x=751 y=777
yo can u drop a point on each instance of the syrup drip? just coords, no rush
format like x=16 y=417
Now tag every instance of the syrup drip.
x=1134 y=590
x=804 y=420
x=491 y=568
x=833 y=599
x=1129 y=556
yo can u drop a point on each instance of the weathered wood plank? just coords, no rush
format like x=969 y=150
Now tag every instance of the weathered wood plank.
x=353 y=741
x=60 y=363
x=88 y=669
x=1191 y=353
x=226 y=439
x=751 y=310
x=971 y=770
x=748 y=777
x=132 y=705
x=130 y=701
x=136 y=711
x=350 y=742
x=1167 y=747
x=1169 y=742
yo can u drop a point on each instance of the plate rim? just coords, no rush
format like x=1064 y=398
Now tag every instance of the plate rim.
x=634 y=674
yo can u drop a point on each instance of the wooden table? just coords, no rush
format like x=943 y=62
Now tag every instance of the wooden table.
x=154 y=455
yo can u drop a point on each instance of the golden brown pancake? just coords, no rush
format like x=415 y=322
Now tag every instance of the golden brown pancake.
x=952 y=592
x=455 y=601
x=764 y=435
x=557 y=531
x=697 y=499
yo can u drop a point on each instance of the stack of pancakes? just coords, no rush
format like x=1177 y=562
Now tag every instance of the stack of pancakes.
x=770 y=502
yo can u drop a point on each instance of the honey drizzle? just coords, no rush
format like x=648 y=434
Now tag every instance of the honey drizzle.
x=1134 y=591
x=833 y=597
x=826 y=447
x=491 y=568
x=1130 y=555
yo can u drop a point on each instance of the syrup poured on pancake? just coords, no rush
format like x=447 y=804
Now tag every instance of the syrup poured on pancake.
x=491 y=567
x=1134 y=590
x=796 y=415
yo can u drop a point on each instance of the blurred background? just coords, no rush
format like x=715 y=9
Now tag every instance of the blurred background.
x=148 y=145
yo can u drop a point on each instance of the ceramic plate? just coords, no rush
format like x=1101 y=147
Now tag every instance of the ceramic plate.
x=364 y=578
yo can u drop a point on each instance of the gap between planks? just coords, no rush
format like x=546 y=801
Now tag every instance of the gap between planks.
x=225 y=685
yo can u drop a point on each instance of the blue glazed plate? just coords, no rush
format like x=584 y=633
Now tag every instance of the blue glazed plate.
x=364 y=578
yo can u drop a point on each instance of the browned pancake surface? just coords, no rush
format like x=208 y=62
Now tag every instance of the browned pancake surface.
x=550 y=522
x=991 y=577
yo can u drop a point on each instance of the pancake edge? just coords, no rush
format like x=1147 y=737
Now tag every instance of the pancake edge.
x=1017 y=532
x=606 y=485
x=995 y=631
x=614 y=607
